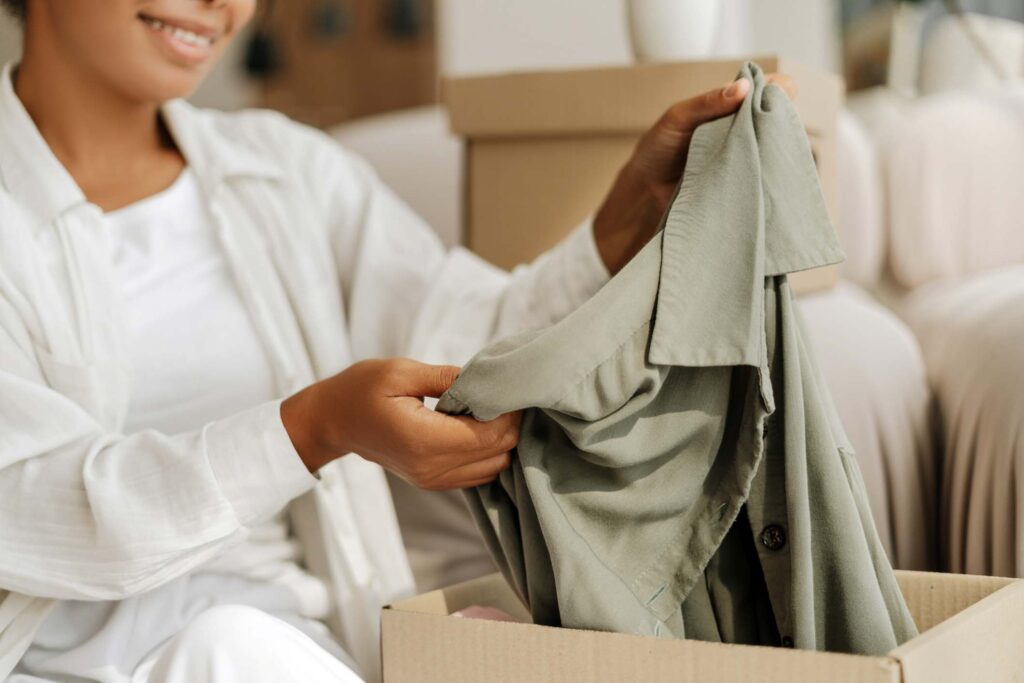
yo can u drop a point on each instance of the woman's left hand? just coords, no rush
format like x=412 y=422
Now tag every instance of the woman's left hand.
x=633 y=209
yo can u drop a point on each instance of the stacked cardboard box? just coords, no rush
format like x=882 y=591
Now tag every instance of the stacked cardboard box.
x=543 y=148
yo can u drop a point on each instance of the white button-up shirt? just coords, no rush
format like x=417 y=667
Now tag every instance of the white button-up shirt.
x=332 y=267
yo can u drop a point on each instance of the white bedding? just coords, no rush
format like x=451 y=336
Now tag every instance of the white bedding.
x=972 y=335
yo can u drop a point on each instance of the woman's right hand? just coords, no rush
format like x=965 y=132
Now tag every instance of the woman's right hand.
x=375 y=408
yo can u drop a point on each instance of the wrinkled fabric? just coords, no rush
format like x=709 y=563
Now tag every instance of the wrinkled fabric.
x=681 y=470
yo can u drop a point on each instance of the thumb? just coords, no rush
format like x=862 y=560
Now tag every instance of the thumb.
x=685 y=116
x=429 y=380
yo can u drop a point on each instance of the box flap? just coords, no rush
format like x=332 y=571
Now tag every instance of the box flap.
x=933 y=598
x=487 y=591
x=429 y=648
x=627 y=99
x=984 y=642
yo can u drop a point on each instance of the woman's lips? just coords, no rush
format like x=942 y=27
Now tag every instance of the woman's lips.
x=184 y=41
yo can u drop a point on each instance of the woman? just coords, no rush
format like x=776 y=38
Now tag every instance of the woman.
x=166 y=276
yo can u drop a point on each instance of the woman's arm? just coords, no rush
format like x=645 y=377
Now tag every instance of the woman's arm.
x=91 y=515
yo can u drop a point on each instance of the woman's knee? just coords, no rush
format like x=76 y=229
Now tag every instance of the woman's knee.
x=236 y=643
x=226 y=628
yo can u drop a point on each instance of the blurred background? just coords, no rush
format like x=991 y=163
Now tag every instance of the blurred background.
x=920 y=338
x=330 y=61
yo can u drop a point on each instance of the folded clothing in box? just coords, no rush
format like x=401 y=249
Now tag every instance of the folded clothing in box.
x=681 y=470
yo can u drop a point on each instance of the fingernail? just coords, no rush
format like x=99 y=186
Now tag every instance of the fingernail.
x=737 y=87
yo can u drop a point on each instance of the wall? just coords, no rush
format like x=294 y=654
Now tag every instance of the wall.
x=483 y=36
x=503 y=35
x=806 y=30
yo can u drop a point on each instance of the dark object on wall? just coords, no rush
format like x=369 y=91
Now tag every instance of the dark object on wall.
x=262 y=56
x=330 y=19
x=405 y=18
x=324 y=80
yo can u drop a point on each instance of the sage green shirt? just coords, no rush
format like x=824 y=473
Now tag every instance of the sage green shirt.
x=681 y=470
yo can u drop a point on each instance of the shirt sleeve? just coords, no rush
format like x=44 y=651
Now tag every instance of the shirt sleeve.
x=86 y=514
x=555 y=284
x=406 y=294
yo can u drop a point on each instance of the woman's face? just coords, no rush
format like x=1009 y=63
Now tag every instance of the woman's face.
x=147 y=50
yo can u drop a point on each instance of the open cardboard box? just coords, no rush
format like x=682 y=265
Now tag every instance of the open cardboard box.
x=972 y=629
x=542 y=148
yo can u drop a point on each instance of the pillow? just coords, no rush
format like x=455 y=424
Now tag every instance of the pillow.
x=954 y=165
x=861 y=214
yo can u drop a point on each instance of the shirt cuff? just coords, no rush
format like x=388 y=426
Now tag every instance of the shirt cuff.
x=255 y=462
x=582 y=270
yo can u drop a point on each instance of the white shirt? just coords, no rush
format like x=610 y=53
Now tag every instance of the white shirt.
x=331 y=267
x=191 y=344
x=196 y=357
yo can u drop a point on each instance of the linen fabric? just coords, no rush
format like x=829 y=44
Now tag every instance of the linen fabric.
x=874 y=368
x=681 y=470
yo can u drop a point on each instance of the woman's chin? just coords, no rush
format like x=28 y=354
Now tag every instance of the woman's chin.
x=164 y=83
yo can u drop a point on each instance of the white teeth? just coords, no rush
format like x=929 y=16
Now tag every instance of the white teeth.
x=184 y=35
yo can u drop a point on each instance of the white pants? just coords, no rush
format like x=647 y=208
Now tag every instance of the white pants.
x=233 y=644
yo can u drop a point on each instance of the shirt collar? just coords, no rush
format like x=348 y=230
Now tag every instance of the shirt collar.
x=30 y=171
x=39 y=182
x=215 y=157
x=749 y=207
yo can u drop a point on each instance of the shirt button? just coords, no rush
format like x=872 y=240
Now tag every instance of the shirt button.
x=787 y=641
x=773 y=537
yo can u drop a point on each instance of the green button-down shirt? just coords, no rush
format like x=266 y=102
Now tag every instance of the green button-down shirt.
x=681 y=470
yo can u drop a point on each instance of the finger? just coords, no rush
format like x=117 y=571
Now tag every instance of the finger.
x=476 y=473
x=463 y=435
x=785 y=82
x=422 y=379
x=686 y=115
x=474 y=484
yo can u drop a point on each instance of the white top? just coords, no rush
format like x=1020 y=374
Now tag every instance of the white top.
x=331 y=268
x=192 y=345
x=196 y=355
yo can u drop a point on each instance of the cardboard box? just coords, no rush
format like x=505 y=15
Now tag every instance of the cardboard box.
x=972 y=629
x=542 y=149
